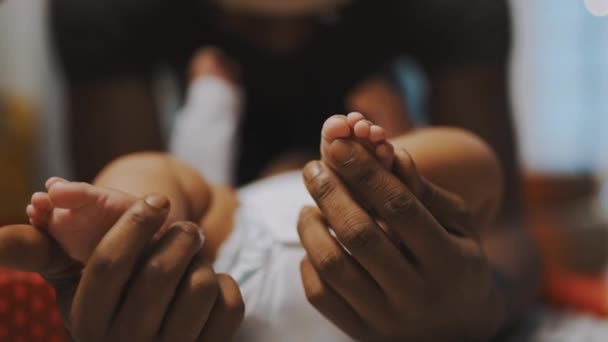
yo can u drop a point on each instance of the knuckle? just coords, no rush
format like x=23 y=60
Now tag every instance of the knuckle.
x=323 y=188
x=366 y=176
x=156 y=271
x=205 y=283
x=400 y=204
x=314 y=289
x=316 y=295
x=331 y=263
x=105 y=265
x=360 y=235
x=308 y=215
x=138 y=216
x=234 y=305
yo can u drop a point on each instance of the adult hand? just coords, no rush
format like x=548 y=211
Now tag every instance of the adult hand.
x=131 y=289
x=406 y=262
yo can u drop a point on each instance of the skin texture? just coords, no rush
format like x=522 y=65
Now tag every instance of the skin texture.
x=126 y=261
x=404 y=231
x=470 y=94
x=414 y=237
x=78 y=215
x=469 y=254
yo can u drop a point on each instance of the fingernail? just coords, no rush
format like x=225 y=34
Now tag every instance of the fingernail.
x=158 y=201
x=342 y=152
x=52 y=181
x=313 y=170
x=191 y=228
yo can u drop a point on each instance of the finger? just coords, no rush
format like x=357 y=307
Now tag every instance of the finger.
x=394 y=274
x=140 y=317
x=330 y=305
x=449 y=209
x=196 y=297
x=391 y=200
x=113 y=263
x=227 y=314
x=338 y=269
x=354 y=228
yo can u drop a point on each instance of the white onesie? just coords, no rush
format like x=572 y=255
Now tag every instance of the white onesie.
x=263 y=255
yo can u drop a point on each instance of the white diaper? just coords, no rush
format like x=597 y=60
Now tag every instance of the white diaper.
x=263 y=254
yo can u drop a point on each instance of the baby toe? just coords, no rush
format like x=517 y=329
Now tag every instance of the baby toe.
x=377 y=134
x=354 y=118
x=72 y=195
x=336 y=127
x=52 y=181
x=42 y=202
x=362 y=129
x=36 y=217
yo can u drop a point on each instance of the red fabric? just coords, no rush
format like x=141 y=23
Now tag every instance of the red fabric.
x=575 y=291
x=28 y=312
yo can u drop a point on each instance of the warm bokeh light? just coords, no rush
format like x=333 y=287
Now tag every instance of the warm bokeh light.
x=597 y=7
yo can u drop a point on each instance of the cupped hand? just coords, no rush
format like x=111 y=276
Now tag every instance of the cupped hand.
x=134 y=288
x=405 y=260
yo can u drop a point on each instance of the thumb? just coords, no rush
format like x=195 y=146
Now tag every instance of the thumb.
x=25 y=248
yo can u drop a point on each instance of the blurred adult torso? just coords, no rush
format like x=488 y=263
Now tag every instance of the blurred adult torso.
x=288 y=95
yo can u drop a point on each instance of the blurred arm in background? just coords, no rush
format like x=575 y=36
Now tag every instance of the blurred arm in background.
x=108 y=51
x=464 y=47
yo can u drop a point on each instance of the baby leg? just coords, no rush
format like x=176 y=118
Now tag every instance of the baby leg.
x=145 y=173
x=205 y=134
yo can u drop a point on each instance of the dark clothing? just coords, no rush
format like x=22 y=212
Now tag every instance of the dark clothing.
x=98 y=39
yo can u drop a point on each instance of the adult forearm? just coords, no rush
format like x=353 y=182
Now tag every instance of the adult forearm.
x=111 y=119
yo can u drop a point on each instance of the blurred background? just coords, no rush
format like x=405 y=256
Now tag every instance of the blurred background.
x=560 y=65
x=559 y=92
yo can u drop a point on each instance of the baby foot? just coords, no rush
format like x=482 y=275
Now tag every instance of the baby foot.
x=77 y=215
x=212 y=62
x=357 y=127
